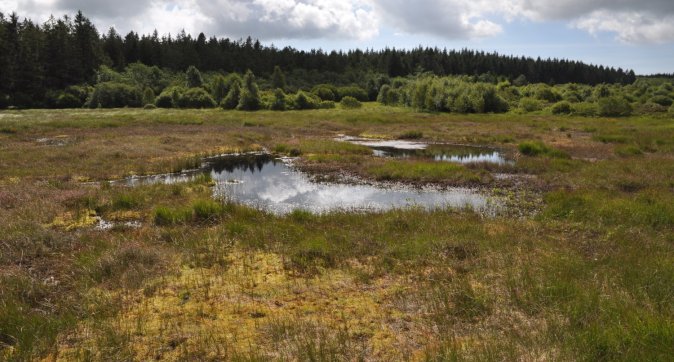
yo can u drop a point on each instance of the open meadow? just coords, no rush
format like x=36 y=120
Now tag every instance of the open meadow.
x=577 y=263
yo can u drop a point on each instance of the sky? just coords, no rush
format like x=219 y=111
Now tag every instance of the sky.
x=631 y=34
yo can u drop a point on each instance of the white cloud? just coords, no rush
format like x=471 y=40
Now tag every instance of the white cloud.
x=444 y=18
x=630 y=27
x=633 y=21
x=271 y=19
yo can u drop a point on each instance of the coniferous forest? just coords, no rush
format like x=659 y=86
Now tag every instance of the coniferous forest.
x=37 y=60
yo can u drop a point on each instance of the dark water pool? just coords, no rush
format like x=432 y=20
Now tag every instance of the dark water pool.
x=271 y=183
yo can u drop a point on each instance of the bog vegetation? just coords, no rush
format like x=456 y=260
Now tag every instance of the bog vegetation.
x=580 y=266
x=581 y=270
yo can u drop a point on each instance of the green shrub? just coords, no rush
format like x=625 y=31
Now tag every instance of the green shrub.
x=383 y=95
x=562 y=107
x=81 y=92
x=476 y=98
x=67 y=100
x=115 y=95
x=355 y=92
x=585 y=109
x=650 y=108
x=350 y=103
x=327 y=105
x=546 y=93
x=662 y=100
x=304 y=101
x=614 y=107
x=572 y=97
x=149 y=106
x=144 y=77
x=170 y=97
x=164 y=101
x=461 y=104
x=671 y=109
x=196 y=98
x=325 y=92
x=601 y=91
x=218 y=89
x=148 y=96
x=389 y=96
x=528 y=104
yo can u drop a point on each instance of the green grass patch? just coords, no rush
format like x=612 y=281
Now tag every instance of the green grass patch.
x=627 y=151
x=537 y=148
x=644 y=209
x=126 y=201
x=610 y=138
x=164 y=216
x=425 y=171
x=198 y=212
x=317 y=146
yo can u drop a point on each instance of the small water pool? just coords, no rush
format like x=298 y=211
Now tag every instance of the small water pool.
x=430 y=151
x=271 y=183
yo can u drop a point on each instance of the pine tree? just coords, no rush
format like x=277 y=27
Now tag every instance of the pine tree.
x=113 y=47
x=87 y=48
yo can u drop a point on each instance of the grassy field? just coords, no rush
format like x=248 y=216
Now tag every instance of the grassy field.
x=586 y=273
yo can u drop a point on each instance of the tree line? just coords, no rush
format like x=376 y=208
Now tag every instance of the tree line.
x=38 y=58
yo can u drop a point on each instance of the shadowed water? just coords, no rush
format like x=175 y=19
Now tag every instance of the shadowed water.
x=270 y=183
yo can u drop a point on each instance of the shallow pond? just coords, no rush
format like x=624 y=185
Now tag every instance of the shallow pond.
x=270 y=183
x=432 y=151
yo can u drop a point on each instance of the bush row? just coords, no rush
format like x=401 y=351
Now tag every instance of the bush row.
x=462 y=94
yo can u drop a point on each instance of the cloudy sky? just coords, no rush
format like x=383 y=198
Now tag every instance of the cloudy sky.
x=634 y=34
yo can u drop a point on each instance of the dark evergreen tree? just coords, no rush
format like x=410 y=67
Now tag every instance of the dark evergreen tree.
x=113 y=46
x=87 y=48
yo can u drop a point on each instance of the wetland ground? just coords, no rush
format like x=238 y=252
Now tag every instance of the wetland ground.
x=580 y=268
